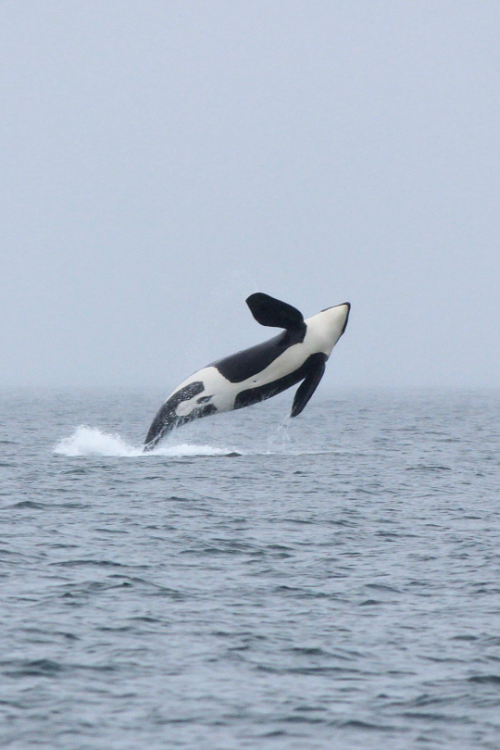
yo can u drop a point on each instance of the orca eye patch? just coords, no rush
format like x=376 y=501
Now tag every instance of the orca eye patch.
x=295 y=355
x=203 y=400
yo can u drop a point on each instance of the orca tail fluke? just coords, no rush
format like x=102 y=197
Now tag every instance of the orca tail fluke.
x=161 y=424
x=152 y=441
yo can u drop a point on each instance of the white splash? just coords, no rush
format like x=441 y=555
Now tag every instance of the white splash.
x=91 y=441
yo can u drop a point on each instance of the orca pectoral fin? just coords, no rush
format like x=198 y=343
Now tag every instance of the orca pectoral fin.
x=269 y=311
x=307 y=387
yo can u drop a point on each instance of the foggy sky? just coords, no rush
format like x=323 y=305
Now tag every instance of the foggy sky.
x=163 y=160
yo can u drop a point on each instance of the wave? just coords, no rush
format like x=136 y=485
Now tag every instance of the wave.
x=91 y=441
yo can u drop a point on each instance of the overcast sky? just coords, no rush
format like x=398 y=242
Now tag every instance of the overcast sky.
x=161 y=160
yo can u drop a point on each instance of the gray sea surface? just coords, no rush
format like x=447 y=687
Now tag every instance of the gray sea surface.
x=331 y=581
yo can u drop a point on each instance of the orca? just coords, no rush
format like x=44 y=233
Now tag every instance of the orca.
x=255 y=374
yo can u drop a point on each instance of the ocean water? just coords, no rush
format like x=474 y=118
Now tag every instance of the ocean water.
x=328 y=582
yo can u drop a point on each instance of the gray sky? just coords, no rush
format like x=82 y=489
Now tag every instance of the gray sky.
x=162 y=160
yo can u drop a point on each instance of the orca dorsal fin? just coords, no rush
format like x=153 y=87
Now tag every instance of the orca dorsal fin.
x=269 y=311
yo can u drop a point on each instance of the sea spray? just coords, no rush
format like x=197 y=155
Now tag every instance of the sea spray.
x=91 y=441
x=280 y=441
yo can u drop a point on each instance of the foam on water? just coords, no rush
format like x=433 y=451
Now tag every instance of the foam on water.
x=91 y=441
x=285 y=599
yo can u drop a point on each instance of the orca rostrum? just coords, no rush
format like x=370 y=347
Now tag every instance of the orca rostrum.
x=255 y=374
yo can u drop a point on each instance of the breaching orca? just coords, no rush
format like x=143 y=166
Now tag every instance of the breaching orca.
x=262 y=371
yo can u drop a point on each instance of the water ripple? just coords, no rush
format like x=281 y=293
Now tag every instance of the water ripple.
x=337 y=587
